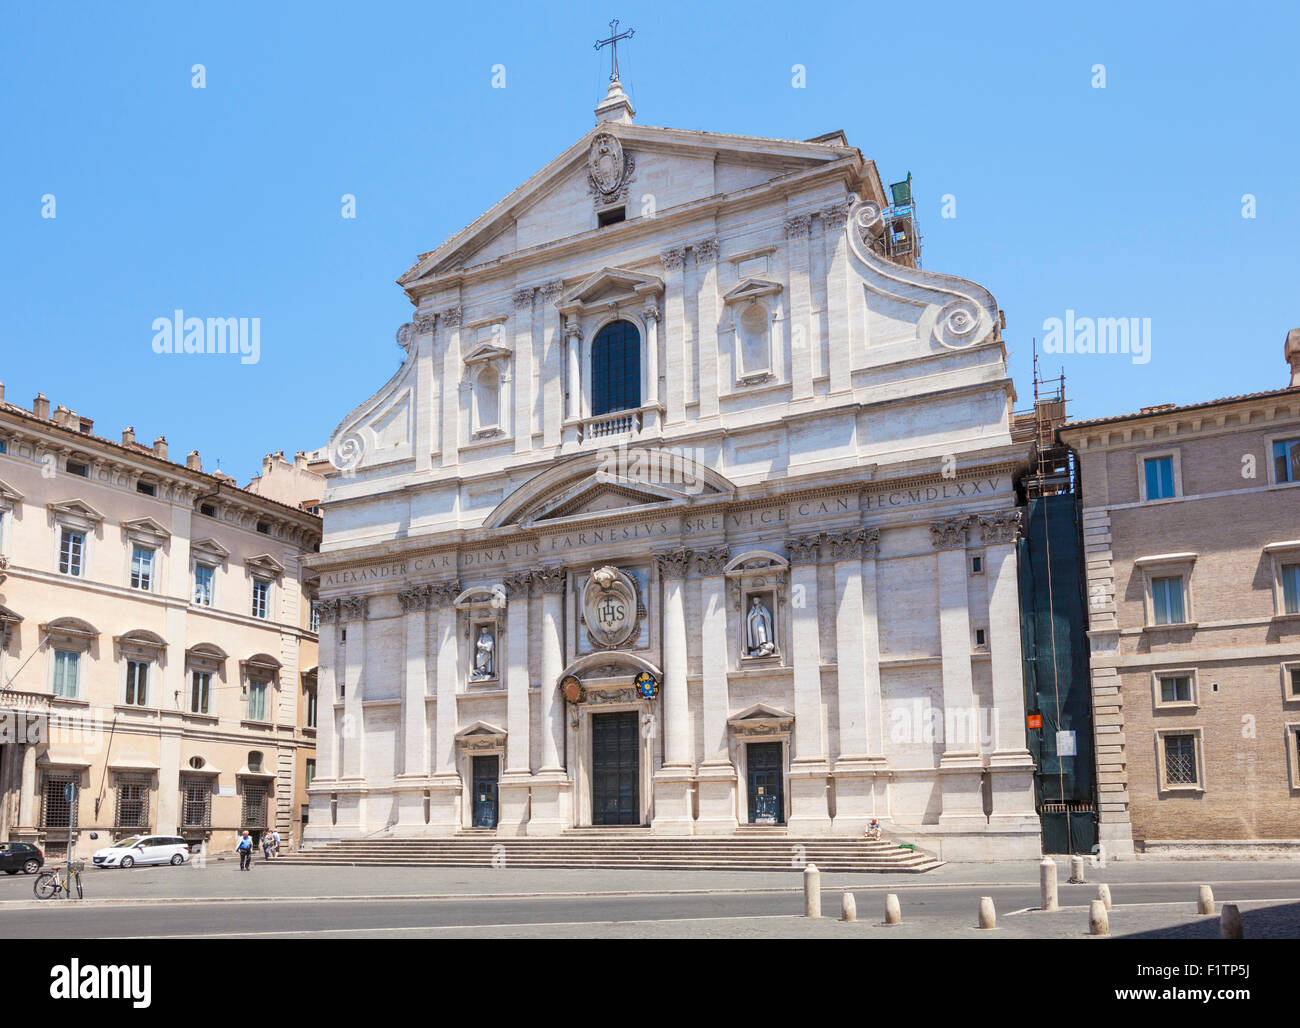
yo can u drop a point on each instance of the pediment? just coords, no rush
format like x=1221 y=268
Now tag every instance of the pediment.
x=481 y=730
x=76 y=509
x=266 y=563
x=209 y=548
x=611 y=285
x=145 y=527
x=677 y=165
x=486 y=352
x=9 y=494
x=601 y=492
x=752 y=287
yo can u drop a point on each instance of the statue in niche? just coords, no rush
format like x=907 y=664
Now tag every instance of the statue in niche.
x=484 y=662
x=760 y=641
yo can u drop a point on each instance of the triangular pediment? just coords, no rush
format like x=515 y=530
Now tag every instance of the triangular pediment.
x=678 y=166
x=610 y=285
x=752 y=287
x=264 y=562
x=145 y=527
x=76 y=509
x=209 y=548
x=601 y=492
x=9 y=493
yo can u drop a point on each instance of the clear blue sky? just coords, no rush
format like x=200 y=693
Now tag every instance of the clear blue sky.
x=225 y=201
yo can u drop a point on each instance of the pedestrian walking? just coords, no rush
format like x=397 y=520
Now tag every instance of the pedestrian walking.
x=266 y=845
x=275 y=842
x=245 y=849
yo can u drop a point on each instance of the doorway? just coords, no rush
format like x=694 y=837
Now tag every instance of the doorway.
x=486 y=774
x=615 y=769
x=766 y=795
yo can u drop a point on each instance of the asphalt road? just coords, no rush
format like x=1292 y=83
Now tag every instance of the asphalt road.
x=1270 y=907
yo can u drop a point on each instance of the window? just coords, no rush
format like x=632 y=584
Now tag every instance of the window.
x=1180 y=760
x=132 y=803
x=1176 y=689
x=148 y=488
x=72 y=549
x=196 y=802
x=314 y=618
x=200 y=692
x=1159 y=478
x=264 y=527
x=197 y=763
x=1290 y=574
x=981 y=638
x=208 y=510
x=142 y=568
x=204 y=578
x=56 y=811
x=611 y=217
x=1167 y=600
x=1286 y=460
x=310 y=774
x=1293 y=676
x=137 y=683
x=257 y=701
x=261 y=597
x=311 y=708
x=616 y=368
x=255 y=760
x=254 y=812
x=977 y=565
x=77 y=468
x=66 y=665
x=2 y=446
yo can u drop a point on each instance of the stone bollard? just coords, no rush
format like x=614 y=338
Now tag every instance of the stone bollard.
x=1205 y=900
x=988 y=916
x=893 y=914
x=1103 y=894
x=1230 y=922
x=1047 y=883
x=1078 y=872
x=848 y=907
x=812 y=891
x=1098 y=922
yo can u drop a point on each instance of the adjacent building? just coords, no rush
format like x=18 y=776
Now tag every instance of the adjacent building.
x=690 y=507
x=157 y=657
x=1191 y=529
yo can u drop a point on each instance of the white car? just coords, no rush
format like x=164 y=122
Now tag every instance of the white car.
x=144 y=849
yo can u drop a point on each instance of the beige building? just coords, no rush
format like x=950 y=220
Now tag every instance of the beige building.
x=158 y=656
x=1191 y=518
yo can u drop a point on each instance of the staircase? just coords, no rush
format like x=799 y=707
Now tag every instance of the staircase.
x=622 y=848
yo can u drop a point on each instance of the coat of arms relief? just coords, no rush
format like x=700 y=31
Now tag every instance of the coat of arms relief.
x=609 y=170
x=609 y=607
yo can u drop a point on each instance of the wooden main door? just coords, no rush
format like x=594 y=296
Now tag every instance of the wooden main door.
x=615 y=769
x=766 y=796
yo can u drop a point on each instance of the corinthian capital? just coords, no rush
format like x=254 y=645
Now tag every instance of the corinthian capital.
x=950 y=533
x=1001 y=527
x=712 y=561
x=835 y=215
x=355 y=608
x=706 y=250
x=804 y=549
x=327 y=611
x=451 y=316
x=854 y=544
x=673 y=258
x=797 y=226
x=673 y=563
x=443 y=594
x=414 y=599
x=550 y=578
x=524 y=298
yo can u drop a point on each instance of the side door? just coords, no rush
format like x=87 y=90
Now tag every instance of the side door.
x=154 y=852
x=8 y=858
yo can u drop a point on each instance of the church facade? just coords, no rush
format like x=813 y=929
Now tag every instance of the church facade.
x=689 y=509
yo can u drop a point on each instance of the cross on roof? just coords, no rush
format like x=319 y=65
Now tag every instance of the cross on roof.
x=612 y=43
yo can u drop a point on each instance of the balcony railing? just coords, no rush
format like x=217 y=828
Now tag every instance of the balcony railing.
x=30 y=702
x=622 y=422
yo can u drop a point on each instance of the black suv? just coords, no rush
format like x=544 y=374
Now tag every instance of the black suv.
x=20 y=856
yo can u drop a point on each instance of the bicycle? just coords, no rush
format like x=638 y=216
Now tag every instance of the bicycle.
x=47 y=883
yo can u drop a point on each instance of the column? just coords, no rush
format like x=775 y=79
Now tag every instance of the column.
x=856 y=771
x=672 y=782
x=809 y=771
x=552 y=366
x=319 y=821
x=516 y=777
x=449 y=321
x=552 y=789
x=573 y=362
x=445 y=784
x=653 y=416
x=354 y=611
x=717 y=775
x=1011 y=767
x=676 y=365
x=27 y=790
x=839 y=327
x=523 y=371
x=961 y=768
x=415 y=725
x=426 y=410
x=800 y=331
x=706 y=263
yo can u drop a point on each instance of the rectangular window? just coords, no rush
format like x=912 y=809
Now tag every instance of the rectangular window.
x=314 y=623
x=261 y=597
x=1286 y=460
x=1160 y=477
x=196 y=802
x=72 y=548
x=148 y=488
x=1180 y=760
x=311 y=708
x=132 y=803
x=203 y=579
x=1176 y=689
x=200 y=691
x=142 y=568
x=137 y=683
x=1167 y=600
x=56 y=811
x=1293 y=674
x=311 y=773
x=66 y=665
x=256 y=701
x=254 y=805
x=1291 y=588
x=77 y=468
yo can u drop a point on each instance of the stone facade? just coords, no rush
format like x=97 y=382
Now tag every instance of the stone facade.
x=171 y=705
x=1210 y=670
x=795 y=524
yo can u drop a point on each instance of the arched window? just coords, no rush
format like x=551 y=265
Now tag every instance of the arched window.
x=616 y=368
